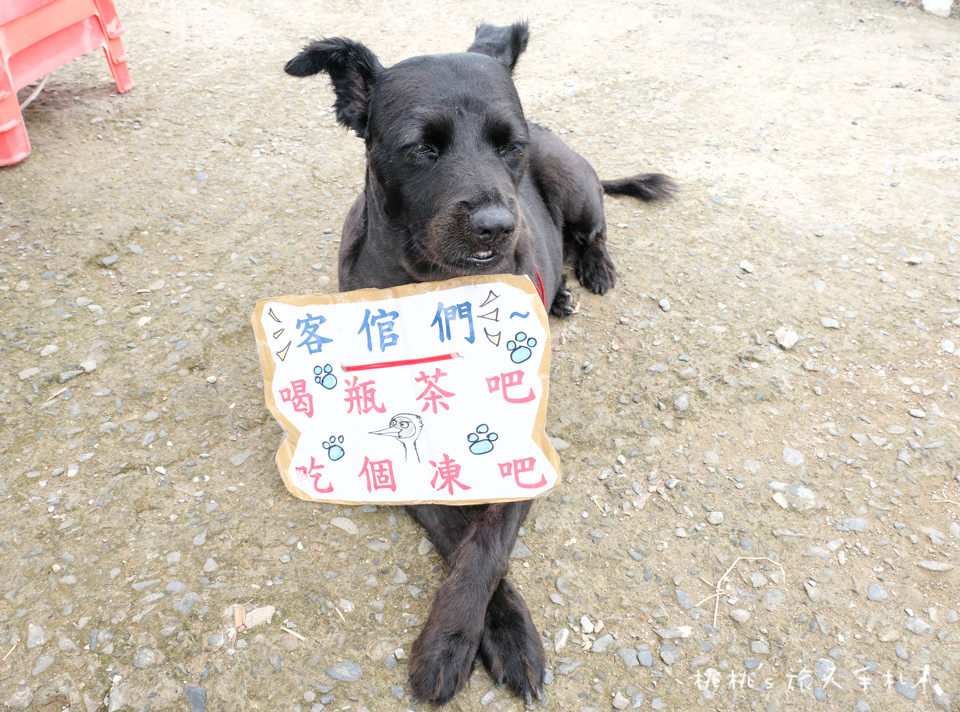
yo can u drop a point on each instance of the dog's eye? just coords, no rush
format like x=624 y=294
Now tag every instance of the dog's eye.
x=423 y=150
x=511 y=150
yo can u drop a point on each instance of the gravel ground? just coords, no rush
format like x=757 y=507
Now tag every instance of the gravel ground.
x=758 y=427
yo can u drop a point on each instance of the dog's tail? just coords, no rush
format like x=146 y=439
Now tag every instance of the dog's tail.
x=645 y=186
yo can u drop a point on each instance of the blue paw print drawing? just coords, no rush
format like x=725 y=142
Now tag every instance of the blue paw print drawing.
x=520 y=347
x=481 y=441
x=324 y=376
x=332 y=446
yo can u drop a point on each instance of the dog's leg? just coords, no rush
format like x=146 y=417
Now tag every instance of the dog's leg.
x=511 y=650
x=442 y=655
x=562 y=304
x=592 y=263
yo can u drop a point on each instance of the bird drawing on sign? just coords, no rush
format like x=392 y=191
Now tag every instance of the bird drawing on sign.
x=406 y=428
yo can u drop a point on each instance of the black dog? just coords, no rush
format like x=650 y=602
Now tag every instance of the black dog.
x=459 y=183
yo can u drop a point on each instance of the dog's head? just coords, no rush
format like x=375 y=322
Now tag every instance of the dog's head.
x=446 y=144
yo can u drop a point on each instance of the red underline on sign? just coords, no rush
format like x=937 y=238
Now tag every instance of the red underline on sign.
x=402 y=362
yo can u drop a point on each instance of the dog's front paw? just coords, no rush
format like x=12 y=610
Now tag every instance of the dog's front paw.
x=562 y=301
x=595 y=270
x=440 y=664
x=511 y=649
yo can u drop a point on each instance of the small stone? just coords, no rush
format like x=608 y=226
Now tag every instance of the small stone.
x=824 y=668
x=935 y=565
x=740 y=615
x=773 y=598
x=28 y=373
x=210 y=566
x=601 y=644
x=786 y=337
x=792 y=457
x=746 y=266
x=346 y=671
x=345 y=524
x=260 y=615
x=43 y=662
x=36 y=635
x=276 y=661
x=425 y=546
x=876 y=592
x=828 y=322
x=918 y=412
x=918 y=626
x=906 y=689
x=21 y=699
x=239 y=458
x=620 y=701
x=715 y=517
x=644 y=656
x=196 y=698
x=948 y=346
x=757 y=579
x=854 y=524
x=586 y=625
x=489 y=697
x=682 y=402
x=752 y=663
x=560 y=639
x=669 y=655
x=186 y=604
x=664 y=304
x=200 y=539
x=145 y=657
x=629 y=657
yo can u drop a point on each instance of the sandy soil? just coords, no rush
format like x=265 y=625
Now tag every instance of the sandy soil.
x=760 y=423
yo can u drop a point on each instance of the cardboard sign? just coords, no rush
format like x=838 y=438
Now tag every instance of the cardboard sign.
x=431 y=392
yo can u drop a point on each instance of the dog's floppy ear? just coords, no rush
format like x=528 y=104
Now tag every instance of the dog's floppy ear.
x=353 y=69
x=504 y=44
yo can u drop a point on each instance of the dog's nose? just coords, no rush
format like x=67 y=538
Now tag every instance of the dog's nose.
x=492 y=222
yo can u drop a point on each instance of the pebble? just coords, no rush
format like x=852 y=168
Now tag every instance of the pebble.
x=774 y=598
x=21 y=699
x=828 y=322
x=740 y=615
x=715 y=517
x=239 y=458
x=917 y=625
x=682 y=402
x=185 y=605
x=36 y=635
x=876 y=592
x=664 y=304
x=935 y=565
x=145 y=657
x=602 y=644
x=669 y=654
x=629 y=657
x=345 y=524
x=906 y=689
x=258 y=616
x=560 y=640
x=620 y=701
x=43 y=662
x=196 y=698
x=644 y=656
x=948 y=346
x=746 y=266
x=854 y=524
x=792 y=457
x=346 y=671
x=786 y=337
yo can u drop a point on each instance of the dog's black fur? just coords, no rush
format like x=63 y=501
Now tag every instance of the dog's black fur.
x=459 y=183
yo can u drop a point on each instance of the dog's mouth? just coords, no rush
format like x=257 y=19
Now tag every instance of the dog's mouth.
x=482 y=257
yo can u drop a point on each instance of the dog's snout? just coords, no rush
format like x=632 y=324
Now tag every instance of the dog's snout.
x=492 y=222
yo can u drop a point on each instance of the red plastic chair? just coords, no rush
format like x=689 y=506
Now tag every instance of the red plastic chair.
x=36 y=37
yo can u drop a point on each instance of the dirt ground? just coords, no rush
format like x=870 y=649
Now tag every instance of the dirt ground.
x=758 y=427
